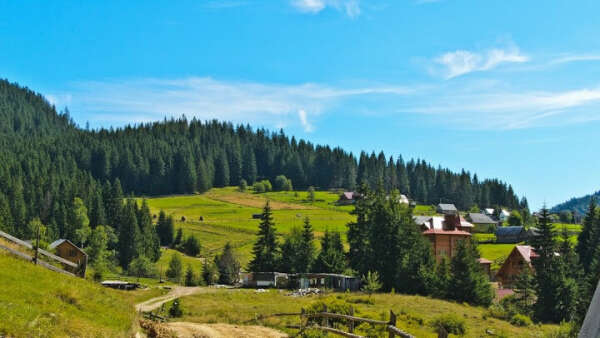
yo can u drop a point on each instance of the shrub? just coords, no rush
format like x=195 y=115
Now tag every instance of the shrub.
x=566 y=330
x=191 y=246
x=267 y=184
x=175 y=269
x=282 y=183
x=175 y=311
x=258 y=187
x=141 y=267
x=333 y=306
x=243 y=185
x=520 y=320
x=450 y=323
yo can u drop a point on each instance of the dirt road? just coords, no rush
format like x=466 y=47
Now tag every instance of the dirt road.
x=193 y=330
x=176 y=292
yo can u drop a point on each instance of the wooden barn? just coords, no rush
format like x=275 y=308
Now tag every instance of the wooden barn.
x=514 y=234
x=348 y=197
x=518 y=259
x=66 y=249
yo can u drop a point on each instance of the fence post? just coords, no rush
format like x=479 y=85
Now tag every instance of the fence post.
x=351 y=324
x=302 y=320
x=325 y=319
x=392 y=323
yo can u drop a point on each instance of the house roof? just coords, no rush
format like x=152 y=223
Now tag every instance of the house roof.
x=479 y=218
x=446 y=232
x=437 y=222
x=488 y=211
x=526 y=251
x=447 y=207
x=504 y=213
x=349 y=195
x=465 y=224
x=509 y=230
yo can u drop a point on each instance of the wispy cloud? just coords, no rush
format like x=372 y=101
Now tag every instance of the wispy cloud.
x=304 y=121
x=143 y=100
x=350 y=7
x=492 y=109
x=462 y=62
x=575 y=58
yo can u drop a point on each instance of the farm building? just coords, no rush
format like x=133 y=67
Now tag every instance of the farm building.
x=71 y=252
x=444 y=232
x=325 y=280
x=121 y=285
x=348 y=197
x=519 y=258
x=265 y=279
x=446 y=209
x=514 y=234
x=481 y=222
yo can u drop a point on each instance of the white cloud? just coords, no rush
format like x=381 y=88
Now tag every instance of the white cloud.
x=505 y=110
x=304 y=121
x=350 y=7
x=576 y=58
x=141 y=100
x=462 y=62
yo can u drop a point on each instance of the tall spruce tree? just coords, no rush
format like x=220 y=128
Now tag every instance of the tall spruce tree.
x=331 y=258
x=129 y=234
x=307 y=248
x=165 y=229
x=358 y=233
x=469 y=283
x=589 y=233
x=265 y=250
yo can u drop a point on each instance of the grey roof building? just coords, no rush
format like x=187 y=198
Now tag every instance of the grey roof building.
x=446 y=209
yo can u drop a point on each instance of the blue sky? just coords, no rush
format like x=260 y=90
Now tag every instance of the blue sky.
x=507 y=89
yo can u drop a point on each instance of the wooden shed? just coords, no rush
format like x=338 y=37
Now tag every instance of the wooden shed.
x=333 y=281
x=66 y=249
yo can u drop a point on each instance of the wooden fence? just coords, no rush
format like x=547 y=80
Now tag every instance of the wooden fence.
x=390 y=326
x=35 y=259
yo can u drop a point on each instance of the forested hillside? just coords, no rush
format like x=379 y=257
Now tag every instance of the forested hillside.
x=54 y=170
x=577 y=205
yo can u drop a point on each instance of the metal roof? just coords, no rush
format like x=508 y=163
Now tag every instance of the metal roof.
x=447 y=207
x=479 y=218
x=509 y=230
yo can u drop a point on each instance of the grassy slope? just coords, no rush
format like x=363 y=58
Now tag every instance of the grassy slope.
x=38 y=302
x=415 y=312
x=227 y=215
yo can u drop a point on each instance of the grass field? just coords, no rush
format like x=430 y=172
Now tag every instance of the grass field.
x=414 y=312
x=36 y=302
x=227 y=216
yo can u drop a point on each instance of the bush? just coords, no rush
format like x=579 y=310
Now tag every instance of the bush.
x=333 y=306
x=282 y=183
x=258 y=187
x=175 y=311
x=191 y=246
x=141 y=267
x=450 y=323
x=243 y=185
x=267 y=184
x=566 y=330
x=520 y=320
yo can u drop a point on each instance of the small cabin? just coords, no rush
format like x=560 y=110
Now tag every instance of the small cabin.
x=518 y=259
x=482 y=222
x=348 y=197
x=66 y=249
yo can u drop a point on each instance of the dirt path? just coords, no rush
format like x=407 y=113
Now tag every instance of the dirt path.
x=178 y=291
x=192 y=330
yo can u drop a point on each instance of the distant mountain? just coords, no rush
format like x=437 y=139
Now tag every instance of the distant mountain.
x=579 y=204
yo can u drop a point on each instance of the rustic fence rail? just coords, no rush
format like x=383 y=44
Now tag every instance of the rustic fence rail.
x=33 y=259
x=390 y=326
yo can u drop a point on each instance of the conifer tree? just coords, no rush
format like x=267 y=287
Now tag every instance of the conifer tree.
x=175 y=270
x=228 y=265
x=203 y=180
x=265 y=250
x=178 y=237
x=589 y=232
x=114 y=204
x=221 y=170
x=547 y=270
x=307 y=248
x=331 y=258
x=96 y=212
x=249 y=166
x=190 y=277
x=129 y=234
x=5 y=217
x=150 y=241
x=165 y=229
x=358 y=233
x=468 y=283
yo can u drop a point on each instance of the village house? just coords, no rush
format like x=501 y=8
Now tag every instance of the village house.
x=446 y=209
x=504 y=215
x=348 y=197
x=66 y=249
x=519 y=257
x=481 y=222
x=488 y=212
x=444 y=233
x=514 y=234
